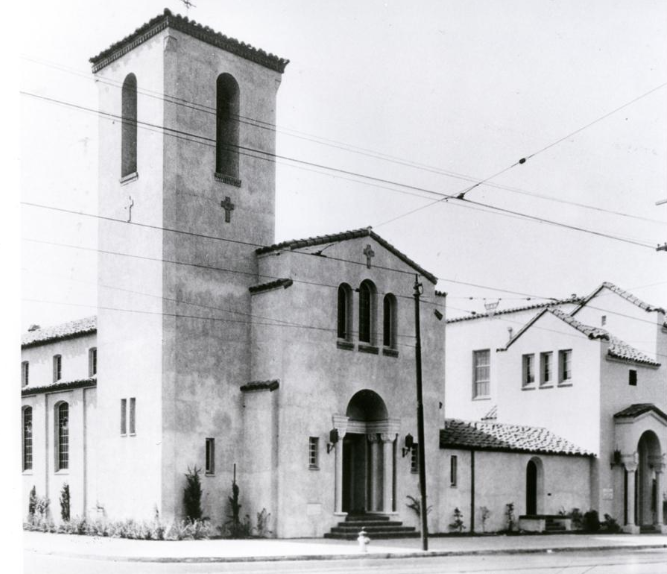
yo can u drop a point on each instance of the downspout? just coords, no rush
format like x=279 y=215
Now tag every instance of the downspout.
x=472 y=491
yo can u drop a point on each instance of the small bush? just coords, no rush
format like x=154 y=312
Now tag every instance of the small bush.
x=511 y=517
x=189 y=530
x=262 y=529
x=32 y=503
x=486 y=513
x=591 y=521
x=64 y=502
x=192 y=494
x=415 y=505
x=458 y=523
x=577 y=519
x=610 y=525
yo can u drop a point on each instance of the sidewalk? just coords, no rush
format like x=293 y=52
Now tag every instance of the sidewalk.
x=319 y=549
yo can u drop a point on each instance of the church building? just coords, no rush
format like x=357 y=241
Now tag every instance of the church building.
x=290 y=367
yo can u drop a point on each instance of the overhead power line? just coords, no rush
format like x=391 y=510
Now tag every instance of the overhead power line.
x=261 y=124
x=270 y=156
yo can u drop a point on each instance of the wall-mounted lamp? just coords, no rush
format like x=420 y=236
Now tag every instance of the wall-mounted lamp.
x=333 y=439
x=616 y=458
x=409 y=443
x=438 y=314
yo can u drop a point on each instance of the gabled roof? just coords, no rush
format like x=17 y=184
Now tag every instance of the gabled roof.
x=480 y=435
x=551 y=303
x=190 y=27
x=618 y=348
x=69 y=330
x=345 y=236
x=622 y=293
x=633 y=411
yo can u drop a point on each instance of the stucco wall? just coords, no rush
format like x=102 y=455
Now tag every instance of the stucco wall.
x=500 y=478
x=74 y=353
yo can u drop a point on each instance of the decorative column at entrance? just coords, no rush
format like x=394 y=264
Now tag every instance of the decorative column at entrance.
x=374 y=467
x=388 y=474
x=630 y=462
x=659 y=468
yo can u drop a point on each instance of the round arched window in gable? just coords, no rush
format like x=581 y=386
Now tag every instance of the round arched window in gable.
x=227 y=126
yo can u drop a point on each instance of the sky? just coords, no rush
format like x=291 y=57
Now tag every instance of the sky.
x=435 y=95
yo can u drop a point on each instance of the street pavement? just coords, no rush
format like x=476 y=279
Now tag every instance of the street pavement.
x=254 y=550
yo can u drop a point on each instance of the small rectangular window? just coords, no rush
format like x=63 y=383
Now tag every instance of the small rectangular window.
x=546 y=376
x=314 y=452
x=133 y=416
x=25 y=373
x=210 y=456
x=414 y=459
x=565 y=365
x=481 y=373
x=57 y=368
x=528 y=369
x=123 y=417
x=92 y=362
x=632 y=380
x=453 y=470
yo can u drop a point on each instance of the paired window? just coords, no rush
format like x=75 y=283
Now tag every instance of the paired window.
x=313 y=453
x=129 y=127
x=414 y=458
x=92 y=362
x=546 y=368
x=453 y=470
x=27 y=438
x=128 y=415
x=528 y=370
x=57 y=368
x=25 y=373
x=632 y=378
x=62 y=436
x=367 y=316
x=565 y=365
x=210 y=456
x=227 y=126
x=481 y=373
x=366 y=312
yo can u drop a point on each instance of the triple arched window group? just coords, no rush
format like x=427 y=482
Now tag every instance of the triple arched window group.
x=367 y=315
x=226 y=133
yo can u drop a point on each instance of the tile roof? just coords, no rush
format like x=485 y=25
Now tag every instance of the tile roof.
x=633 y=411
x=590 y=332
x=58 y=386
x=492 y=415
x=68 y=330
x=505 y=437
x=621 y=350
x=192 y=28
x=621 y=292
x=344 y=236
x=284 y=283
x=552 y=303
x=270 y=385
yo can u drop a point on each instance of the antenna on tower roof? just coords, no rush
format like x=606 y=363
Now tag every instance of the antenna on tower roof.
x=188 y=4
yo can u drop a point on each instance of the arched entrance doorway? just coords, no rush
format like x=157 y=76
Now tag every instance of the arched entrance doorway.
x=534 y=486
x=365 y=456
x=646 y=487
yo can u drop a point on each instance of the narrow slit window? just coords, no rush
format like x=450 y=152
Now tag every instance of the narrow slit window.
x=129 y=127
x=123 y=417
x=227 y=126
x=57 y=368
x=62 y=437
x=27 y=438
x=453 y=470
x=314 y=453
x=414 y=458
x=389 y=321
x=344 y=312
x=210 y=456
x=25 y=373
x=92 y=362
x=133 y=416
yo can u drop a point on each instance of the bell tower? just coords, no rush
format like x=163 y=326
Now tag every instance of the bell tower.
x=186 y=195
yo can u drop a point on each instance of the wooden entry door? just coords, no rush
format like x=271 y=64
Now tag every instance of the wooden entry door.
x=531 y=489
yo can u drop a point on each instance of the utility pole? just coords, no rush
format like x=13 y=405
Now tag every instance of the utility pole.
x=420 y=420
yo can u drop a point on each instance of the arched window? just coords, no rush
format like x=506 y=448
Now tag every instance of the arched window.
x=62 y=436
x=367 y=293
x=27 y=438
x=227 y=126
x=389 y=321
x=129 y=127
x=345 y=312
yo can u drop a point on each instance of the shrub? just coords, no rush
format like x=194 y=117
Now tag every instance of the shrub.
x=511 y=517
x=32 y=503
x=192 y=494
x=486 y=513
x=577 y=519
x=458 y=523
x=262 y=529
x=610 y=525
x=188 y=530
x=64 y=502
x=415 y=504
x=591 y=521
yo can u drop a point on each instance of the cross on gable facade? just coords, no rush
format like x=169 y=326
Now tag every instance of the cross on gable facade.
x=228 y=206
x=369 y=253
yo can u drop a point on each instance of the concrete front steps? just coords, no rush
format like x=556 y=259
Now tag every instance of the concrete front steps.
x=554 y=526
x=377 y=526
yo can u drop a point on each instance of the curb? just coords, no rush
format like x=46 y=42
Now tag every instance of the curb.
x=360 y=556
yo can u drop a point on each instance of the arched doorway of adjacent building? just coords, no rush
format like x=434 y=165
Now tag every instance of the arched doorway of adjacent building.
x=534 y=486
x=365 y=477
x=646 y=495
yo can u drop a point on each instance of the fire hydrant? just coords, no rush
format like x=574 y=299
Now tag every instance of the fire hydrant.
x=363 y=540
